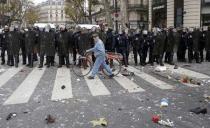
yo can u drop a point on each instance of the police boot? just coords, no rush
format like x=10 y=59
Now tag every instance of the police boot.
x=67 y=61
x=24 y=59
x=161 y=60
x=35 y=58
x=16 y=61
x=41 y=62
x=197 y=57
x=171 y=59
x=11 y=61
x=2 y=61
x=60 y=62
x=48 y=61
x=52 y=61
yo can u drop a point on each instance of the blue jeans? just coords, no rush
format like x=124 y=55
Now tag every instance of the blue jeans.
x=100 y=61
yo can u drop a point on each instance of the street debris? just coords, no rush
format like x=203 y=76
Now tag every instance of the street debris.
x=99 y=122
x=10 y=116
x=160 y=68
x=2 y=70
x=164 y=103
x=199 y=110
x=206 y=96
x=157 y=119
x=186 y=65
x=22 y=70
x=50 y=119
x=63 y=87
x=186 y=79
x=176 y=67
x=78 y=79
x=125 y=72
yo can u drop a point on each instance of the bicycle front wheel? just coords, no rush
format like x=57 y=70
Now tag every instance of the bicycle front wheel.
x=115 y=66
x=82 y=67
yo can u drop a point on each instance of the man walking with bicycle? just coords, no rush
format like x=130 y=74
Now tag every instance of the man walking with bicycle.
x=99 y=53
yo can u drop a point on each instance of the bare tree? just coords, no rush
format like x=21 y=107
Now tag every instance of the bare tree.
x=108 y=12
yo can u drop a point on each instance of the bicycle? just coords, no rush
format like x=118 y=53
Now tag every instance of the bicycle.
x=84 y=64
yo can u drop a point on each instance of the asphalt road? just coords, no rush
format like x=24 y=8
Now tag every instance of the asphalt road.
x=125 y=101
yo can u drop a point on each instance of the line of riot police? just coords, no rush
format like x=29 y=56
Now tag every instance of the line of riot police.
x=154 y=45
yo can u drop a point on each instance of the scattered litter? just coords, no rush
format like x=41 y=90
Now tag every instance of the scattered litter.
x=164 y=103
x=119 y=109
x=11 y=115
x=50 y=119
x=78 y=79
x=180 y=117
x=63 y=87
x=99 y=122
x=166 y=123
x=206 y=96
x=1 y=94
x=199 y=110
x=132 y=79
x=2 y=70
x=160 y=68
x=22 y=70
x=157 y=119
x=128 y=73
x=176 y=67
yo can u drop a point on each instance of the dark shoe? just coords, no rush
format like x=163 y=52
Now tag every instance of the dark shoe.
x=3 y=62
x=48 y=65
x=52 y=64
x=67 y=66
x=161 y=64
x=40 y=66
x=90 y=77
x=59 y=66
x=199 y=110
x=111 y=76
x=16 y=65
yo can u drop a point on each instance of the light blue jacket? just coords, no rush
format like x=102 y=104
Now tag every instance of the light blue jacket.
x=98 y=49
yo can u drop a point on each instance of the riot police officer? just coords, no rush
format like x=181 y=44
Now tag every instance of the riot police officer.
x=121 y=44
x=13 y=46
x=151 y=47
x=160 y=38
x=144 y=47
x=202 y=43
x=136 y=44
x=170 y=43
x=207 y=47
x=63 y=40
x=46 y=46
x=196 y=40
x=82 y=43
x=109 y=40
x=182 y=45
x=4 y=43
x=190 y=45
x=30 y=38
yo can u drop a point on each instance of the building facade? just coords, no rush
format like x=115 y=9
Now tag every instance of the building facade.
x=137 y=13
x=52 y=11
x=179 y=13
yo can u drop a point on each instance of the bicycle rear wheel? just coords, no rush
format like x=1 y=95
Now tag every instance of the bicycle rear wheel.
x=82 y=67
x=115 y=66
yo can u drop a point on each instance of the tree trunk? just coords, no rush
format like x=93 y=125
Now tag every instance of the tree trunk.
x=124 y=13
x=108 y=13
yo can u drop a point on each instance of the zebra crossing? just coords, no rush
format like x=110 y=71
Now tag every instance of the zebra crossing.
x=23 y=93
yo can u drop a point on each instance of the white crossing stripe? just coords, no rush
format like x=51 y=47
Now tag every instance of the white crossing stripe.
x=127 y=84
x=63 y=78
x=23 y=93
x=7 y=75
x=187 y=72
x=96 y=87
x=152 y=80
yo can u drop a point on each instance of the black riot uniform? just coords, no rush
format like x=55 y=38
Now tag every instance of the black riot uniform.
x=169 y=47
x=13 y=48
x=158 y=50
x=144 y=46
x=63 y=40
x=82 y=43
x=30 y=40
x=121 y=44
x=109 y=41
x=22 y=47
x=196 y=40
x=182 y=46
x=46 y=47
x=74 y=38
x=202 y=44
x=151 y=40
x=207 y=47
x=190 y=46
x=136 y=44
x=4 y=42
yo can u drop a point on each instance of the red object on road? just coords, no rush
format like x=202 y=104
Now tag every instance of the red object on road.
x=155 y=118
